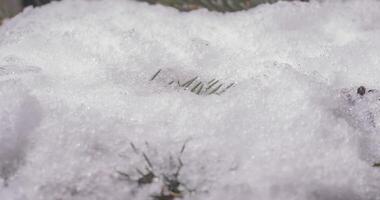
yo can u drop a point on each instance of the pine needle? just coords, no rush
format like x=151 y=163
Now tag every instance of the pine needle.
x=199 y=87
x=196 y=86
x=225 y=89
x=183 y=148
x=216 y=89
x=148 y=161
x=124 y=174
x=134 y=147
x=199 y=90
x=188 y=83
x=140 y=172
x=208 y=83
x=155 y=75
x=210 y=86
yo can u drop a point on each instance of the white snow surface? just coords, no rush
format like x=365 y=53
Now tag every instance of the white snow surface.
x=75 y=94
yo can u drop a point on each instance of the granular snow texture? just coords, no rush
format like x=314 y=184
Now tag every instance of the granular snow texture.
x=78 y=110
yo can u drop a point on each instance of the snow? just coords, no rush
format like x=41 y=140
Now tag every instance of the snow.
x=77 y=106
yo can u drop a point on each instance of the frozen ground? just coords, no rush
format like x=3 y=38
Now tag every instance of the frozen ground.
x=75 y=93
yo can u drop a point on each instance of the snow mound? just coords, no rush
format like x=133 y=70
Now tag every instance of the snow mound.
x=83 y=118
x=20 y=113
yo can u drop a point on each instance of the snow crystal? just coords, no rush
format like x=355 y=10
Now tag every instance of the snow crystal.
x=83 y=118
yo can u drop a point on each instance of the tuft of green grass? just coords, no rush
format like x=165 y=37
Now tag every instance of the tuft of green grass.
x=199 y=87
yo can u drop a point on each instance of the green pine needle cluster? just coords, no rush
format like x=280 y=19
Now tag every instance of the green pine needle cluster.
x=199 y=87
